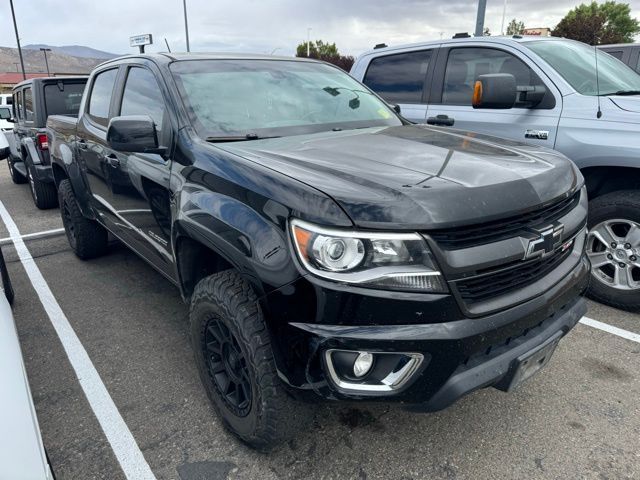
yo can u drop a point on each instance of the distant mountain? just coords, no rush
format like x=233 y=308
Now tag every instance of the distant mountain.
x=75 y=51
x=59 y=62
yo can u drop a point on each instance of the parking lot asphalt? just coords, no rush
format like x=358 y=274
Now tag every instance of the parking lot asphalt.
x=579 y=418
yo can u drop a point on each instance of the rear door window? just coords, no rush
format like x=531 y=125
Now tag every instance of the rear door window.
x=28 y=105
x=63 y=98
x=399 y=78
x=101 y=93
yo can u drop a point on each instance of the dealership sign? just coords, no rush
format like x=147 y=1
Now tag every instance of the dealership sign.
x=140 y=40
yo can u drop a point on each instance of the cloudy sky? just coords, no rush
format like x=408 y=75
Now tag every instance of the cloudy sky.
x=263 y=25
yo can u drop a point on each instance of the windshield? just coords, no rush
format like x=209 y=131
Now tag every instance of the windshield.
x=576 y=63
x=258 y=98
x=5 y=113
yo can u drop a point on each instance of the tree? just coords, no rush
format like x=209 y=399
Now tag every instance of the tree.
x=327 y=52
x=515 y=27
x=317 y=49
x=598 y=24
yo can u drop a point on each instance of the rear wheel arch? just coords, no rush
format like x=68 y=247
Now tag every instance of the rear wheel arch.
x=59 y=174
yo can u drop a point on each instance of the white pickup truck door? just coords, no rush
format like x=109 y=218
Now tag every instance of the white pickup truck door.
x=453 y=88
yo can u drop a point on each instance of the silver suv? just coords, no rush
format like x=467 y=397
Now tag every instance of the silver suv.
x=553 y=99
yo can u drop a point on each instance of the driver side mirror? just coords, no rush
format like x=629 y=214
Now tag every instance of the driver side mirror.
x=494 y=91
x=4 y=153
x=133 y=133
x=499 y=91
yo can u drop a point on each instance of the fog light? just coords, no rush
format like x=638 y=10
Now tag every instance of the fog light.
x=363 y=364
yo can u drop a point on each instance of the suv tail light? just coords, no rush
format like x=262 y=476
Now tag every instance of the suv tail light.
x=42 y=141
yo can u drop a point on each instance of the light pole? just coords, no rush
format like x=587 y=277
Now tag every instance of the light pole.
x=186 y=24
x=15 y=26
x=504 y=14
x=308 y=42
x=46 y=62
x=482 y=7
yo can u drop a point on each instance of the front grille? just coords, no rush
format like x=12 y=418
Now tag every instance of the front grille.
x=491 y=285
x=473 y=235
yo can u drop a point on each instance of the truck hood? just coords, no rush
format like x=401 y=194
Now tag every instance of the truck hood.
x=630 y=104
x=418 y=177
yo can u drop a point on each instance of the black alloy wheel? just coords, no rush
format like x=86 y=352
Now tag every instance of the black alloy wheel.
x=227 y=367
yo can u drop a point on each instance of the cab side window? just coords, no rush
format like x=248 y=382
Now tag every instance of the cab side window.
x=465 y=65
x=28 y=105
x=399 y=78
x=101 y=96
x=142 y=96
x=616 y=53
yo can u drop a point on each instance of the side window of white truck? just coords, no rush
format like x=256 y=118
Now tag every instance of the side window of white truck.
x=399 y=78
x=465 y=65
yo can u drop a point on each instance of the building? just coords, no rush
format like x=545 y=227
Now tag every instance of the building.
x=540 y=32
x=8 y=80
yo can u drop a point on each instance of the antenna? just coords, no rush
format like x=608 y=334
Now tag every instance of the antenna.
x=599 y=114
x=168 y=47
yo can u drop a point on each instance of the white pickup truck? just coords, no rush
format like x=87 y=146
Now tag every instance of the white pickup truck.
x=555 y=100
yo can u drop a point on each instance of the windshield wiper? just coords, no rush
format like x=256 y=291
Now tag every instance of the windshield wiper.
x=238 y=138
x=622 y=92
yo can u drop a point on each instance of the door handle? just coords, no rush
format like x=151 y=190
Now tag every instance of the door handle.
x=112 y=160
x=82 y=144
x=442 y=120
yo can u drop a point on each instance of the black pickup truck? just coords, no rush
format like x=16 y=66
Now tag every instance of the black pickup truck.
x=33 y=101
x=328 y=249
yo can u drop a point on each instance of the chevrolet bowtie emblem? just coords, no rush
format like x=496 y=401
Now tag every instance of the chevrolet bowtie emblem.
x=548 y=240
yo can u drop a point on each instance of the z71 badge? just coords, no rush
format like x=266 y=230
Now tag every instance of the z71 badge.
x=538 y=134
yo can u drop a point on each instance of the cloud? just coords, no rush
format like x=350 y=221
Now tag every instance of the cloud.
x=262 y=26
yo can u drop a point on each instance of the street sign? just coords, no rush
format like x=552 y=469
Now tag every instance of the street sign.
x=141 y=40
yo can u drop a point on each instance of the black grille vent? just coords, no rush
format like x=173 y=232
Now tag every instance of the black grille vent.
x=506 y=280
x=473 y=235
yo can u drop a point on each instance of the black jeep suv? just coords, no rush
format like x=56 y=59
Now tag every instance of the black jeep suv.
x=33 y=101
x=328 y=248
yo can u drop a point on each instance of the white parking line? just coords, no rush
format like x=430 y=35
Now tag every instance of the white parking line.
x=124 y=446
x=33 y=236
x=634 y=337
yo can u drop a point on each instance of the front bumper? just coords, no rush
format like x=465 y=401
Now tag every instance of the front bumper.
x=460 y=356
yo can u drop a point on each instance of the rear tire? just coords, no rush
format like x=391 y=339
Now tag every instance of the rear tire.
x=44 y=194
x=87 y=238
x=233 y=353
x=16 y=176
x=613 y=247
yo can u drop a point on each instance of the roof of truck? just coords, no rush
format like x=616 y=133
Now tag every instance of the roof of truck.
x=499 y=39
x=180 y=56
x=55 y=79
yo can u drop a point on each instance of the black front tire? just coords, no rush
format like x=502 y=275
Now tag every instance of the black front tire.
x=271 y=415
x=88 y=239
x=44 y=194
x=16 y=176
x=616 y=208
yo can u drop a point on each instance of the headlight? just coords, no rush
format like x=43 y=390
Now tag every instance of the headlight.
x=395 y=261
